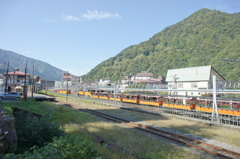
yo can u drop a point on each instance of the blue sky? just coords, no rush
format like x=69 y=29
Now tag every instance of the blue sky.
x=77 y=35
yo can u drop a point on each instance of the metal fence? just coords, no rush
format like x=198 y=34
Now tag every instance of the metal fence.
x=226 y=120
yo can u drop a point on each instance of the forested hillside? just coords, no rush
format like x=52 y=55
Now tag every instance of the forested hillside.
x=42 y=69
x=201 y=39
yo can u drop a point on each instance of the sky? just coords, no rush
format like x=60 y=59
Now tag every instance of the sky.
x=77 y=35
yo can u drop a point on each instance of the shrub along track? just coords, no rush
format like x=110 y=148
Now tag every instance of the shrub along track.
x=202 y=146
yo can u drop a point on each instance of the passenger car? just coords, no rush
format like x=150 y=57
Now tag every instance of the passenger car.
x=10 y=95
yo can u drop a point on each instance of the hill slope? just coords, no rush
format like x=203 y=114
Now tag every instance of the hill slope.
x=201 y=39
x=42 y=69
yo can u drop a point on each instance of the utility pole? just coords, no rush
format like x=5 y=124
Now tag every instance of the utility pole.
x=67 y=88
x=32 y=79
x=215 y=108
x=25 y=84
x=115 y=91
x=6 y=78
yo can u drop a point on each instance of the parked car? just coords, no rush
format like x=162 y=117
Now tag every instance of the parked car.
x=10 y=95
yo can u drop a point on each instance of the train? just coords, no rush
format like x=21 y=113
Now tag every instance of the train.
x=228 y=108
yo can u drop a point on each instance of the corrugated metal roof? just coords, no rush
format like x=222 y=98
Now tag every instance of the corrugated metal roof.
x=144 y=74
x=201 y=73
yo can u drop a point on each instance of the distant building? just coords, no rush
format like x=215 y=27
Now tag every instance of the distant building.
x=67 y=79
x=147 y=78
x=76 y=80
x=47 y=84
x=127 y=79
x=58 y=84
x=143 y=75
x=103 y=82
x=16 y=79
x=1 y=83
x=192 y=78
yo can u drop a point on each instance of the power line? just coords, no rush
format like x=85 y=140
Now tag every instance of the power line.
x=229 y=60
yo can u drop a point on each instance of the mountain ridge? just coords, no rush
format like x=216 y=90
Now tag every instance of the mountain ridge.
x=200 y=39
x=42 y=69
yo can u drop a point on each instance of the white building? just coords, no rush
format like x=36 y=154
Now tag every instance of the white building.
x=103 y=82
x=1 y=83
x=191 y=78
x=143 y=75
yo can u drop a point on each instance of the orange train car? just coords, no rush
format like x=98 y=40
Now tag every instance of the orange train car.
x=150 y=100
x=64 y=92
x=81 y=93
x=130 y=98
x=118 y=97
x=103 y=95
x=94 y=95
x=172 y=102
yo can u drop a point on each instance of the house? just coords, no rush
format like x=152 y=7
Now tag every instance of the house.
x=192 y=78
x=127 y=79
x=147 y=78
x=76 y=80
x=103 y=82
x=16 y=79
x=143 y=75
x=1 y=83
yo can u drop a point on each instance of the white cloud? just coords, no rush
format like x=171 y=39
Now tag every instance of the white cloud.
x=99 y=15
x=69 y=17
x=90 y=15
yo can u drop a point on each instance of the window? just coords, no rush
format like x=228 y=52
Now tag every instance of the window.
x=194 y=85
x=180 y=85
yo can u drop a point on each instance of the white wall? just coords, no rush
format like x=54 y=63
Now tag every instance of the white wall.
x=188 y=85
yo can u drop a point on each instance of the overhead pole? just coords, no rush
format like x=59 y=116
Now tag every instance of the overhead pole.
x=67 y=88
x=6 y=78
x=214 y=108
x=115 y=91
x=32 y=79
x=25 y=84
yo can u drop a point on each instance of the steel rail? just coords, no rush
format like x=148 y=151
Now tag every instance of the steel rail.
x=178 y=138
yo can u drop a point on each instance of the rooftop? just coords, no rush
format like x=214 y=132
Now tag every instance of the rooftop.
x=201 y=73
x=17 y=73
x=144 y=74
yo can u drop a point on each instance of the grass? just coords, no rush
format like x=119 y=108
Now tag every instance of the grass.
x=218 y=133
x=135 y=144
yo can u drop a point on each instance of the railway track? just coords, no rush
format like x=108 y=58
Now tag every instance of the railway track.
x=196 y=144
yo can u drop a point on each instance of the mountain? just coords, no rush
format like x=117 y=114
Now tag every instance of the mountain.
x=201 y=39
x=41 y=69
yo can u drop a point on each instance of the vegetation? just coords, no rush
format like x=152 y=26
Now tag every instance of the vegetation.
x=79 y=137
x=41 y=68
x=218 y=133
x=35 y=131
x=201 y=39
x=65 y=147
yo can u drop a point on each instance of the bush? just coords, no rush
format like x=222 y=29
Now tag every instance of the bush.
x=34 y=130
x=65 y=147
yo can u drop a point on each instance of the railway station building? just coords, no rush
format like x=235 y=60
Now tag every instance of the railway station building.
x=192 y=78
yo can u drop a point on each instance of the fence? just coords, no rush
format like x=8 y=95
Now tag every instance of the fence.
x=8 y=137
